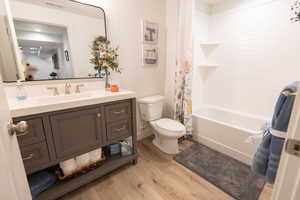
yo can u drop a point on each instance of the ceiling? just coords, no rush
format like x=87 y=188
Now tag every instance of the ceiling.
x=211 y=2
x=38 y=27
x=37 y=47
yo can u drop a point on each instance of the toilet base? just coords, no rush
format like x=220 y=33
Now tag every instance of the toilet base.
x=167 y=145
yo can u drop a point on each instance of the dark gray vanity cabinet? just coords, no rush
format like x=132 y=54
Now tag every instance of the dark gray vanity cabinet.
x=60 y=135
x=35 y=132
x=118 y=121
x=36 y=144
x=77 y=132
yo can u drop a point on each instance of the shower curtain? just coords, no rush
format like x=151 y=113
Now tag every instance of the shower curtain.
x=184 y=64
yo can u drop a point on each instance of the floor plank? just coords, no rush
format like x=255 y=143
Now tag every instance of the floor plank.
x=156 y=177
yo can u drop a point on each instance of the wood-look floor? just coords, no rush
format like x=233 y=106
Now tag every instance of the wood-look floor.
x=156 y=177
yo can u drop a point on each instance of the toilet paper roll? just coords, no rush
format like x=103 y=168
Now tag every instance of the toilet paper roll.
x=95 y=155
x=83 y=160
x=68 y=166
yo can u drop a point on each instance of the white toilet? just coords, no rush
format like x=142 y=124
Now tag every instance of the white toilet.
x=167 y=131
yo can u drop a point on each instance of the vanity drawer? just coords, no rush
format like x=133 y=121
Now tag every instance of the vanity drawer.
x=119 y=130
x=35 y=157
x=34 y=134
x=118 y=111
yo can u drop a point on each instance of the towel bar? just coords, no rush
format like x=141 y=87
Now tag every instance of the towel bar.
x=289 y=93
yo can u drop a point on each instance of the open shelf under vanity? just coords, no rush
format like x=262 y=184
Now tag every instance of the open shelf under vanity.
x=63 y=187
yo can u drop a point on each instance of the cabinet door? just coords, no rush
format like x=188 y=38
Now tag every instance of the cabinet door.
x=35 y=132
x=77 y=132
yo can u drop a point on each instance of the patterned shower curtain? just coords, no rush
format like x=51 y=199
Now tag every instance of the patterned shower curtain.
x=183 y=75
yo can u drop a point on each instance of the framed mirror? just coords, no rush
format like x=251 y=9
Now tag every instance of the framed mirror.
x=54 y=39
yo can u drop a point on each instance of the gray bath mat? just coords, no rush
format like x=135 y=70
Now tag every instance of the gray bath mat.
x=232 y=176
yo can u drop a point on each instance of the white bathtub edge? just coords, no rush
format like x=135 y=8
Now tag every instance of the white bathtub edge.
x=253 y=132
x=263 y=118
x=223 y=148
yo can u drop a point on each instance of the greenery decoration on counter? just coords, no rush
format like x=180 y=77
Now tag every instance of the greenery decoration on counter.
x=104 y=57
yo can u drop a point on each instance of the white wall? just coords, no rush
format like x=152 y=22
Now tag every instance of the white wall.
x=201 y=34
x=258 y=55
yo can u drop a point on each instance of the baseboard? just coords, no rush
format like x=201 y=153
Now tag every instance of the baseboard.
x=223 y=149
x=144 y=133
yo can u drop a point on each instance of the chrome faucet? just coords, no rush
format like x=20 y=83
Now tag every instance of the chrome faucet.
x=68 y=88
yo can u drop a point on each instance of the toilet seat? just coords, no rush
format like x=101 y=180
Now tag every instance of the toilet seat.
x=170 y=125
x=169 y=128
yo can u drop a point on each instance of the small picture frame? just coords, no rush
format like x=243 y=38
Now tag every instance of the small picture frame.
x=150 y=32
x=150 y=55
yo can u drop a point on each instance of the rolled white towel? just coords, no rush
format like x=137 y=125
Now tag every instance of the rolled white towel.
x=254 y=139
x=95 y=155
x=68 y=166
x=83 y=160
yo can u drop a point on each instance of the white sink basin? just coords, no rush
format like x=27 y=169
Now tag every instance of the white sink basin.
x=63 y=98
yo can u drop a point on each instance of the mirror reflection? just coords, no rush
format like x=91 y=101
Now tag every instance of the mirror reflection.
x=55 y=38
x=44 y=51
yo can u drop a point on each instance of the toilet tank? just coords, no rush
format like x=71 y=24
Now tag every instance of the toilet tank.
x=151 y=107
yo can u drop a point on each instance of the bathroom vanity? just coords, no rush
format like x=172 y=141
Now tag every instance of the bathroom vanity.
x=63 y=129
x=62 y=125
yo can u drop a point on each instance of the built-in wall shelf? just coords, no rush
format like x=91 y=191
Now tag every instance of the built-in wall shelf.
x=209 y=44
x=208 y=65
x=208 y=47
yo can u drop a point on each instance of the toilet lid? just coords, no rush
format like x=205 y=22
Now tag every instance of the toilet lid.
x=170 y=125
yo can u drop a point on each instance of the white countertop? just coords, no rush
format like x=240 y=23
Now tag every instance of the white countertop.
x=37 y=105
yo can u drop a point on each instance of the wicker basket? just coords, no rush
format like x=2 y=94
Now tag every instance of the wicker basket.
x=60 y=175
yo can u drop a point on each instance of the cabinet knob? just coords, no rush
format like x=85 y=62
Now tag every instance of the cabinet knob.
x=98 y=115
x=21 y=127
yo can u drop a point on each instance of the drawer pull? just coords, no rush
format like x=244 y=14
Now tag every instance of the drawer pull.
x=28 y=157
x=121 y=129
x=21 y=134
x=119 y=112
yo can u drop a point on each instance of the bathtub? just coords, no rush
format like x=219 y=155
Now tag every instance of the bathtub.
x=226 y=131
